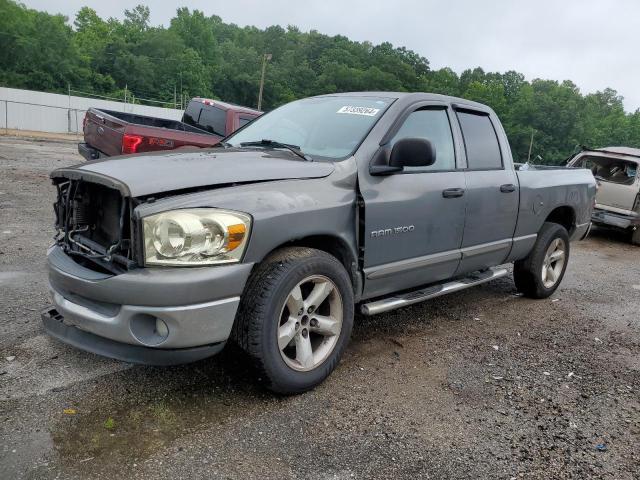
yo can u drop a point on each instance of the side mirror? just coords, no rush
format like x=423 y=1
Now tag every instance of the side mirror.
x=412 y=152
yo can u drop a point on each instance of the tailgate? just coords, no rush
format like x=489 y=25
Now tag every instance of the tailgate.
x=108 y=133
x=104 y=132
x=156 y=138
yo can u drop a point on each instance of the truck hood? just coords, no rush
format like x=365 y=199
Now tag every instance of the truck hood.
x=153 y=173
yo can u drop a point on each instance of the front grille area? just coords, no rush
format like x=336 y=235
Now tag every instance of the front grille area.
x=94 y=225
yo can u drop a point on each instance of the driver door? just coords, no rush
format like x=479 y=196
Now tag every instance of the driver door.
x=414 y=219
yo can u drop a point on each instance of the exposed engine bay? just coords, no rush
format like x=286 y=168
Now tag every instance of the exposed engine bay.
x=93 y=225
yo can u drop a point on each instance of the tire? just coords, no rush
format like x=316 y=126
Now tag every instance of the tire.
x=635 y=236
x=284 y=282
x=528 y=273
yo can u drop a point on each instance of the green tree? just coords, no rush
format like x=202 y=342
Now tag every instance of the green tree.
x=204 y=56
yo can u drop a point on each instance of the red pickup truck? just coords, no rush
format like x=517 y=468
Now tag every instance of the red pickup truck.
x=204 y=123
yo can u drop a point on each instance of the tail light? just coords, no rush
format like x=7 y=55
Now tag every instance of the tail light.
x=85 y=120
x=130 y=143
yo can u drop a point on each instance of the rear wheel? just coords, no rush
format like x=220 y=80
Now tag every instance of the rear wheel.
x=295 y=318
x=540 y=273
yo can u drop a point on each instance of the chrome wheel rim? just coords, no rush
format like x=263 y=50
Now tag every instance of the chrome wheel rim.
x=553 y=263
x=310 y=323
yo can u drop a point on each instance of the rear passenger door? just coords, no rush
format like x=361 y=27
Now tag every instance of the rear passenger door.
x=491 y=191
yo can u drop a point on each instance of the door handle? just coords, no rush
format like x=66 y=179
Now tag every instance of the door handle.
x=507 y=188
x=453 y=192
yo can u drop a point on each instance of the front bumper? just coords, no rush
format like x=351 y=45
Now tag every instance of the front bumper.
x=56 y=327
x=195 y=307
x=604 y=217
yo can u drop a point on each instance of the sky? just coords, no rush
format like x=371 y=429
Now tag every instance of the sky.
x=594 y=43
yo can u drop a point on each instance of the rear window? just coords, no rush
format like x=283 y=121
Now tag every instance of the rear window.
x=206 y=117
x=192 y=114
x=213 y=119
x=480 y=141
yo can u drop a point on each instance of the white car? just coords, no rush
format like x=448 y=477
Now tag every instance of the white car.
x=618 y=197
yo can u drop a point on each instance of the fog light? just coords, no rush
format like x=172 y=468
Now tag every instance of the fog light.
x=149 y=330
x=161 y=328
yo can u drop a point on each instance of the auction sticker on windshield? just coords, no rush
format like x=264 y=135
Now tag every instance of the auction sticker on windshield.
x=367 y=111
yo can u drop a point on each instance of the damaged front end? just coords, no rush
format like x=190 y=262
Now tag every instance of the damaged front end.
x=94 y=225
x=103 y=303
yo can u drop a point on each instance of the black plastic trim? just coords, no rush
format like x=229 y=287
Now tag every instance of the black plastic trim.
x=88 y=152
x=460 y=107
x=380 y=170
x=54 y=325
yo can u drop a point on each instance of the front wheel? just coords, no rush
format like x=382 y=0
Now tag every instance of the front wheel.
x=295 y=318
x=540 y=273
x=635 y=236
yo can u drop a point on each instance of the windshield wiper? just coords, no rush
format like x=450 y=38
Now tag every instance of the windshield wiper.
x=272 y=143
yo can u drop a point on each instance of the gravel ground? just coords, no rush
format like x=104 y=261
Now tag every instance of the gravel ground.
x=479 y=384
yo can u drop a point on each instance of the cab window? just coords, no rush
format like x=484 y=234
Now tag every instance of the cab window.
x=480 y=141
x=192 y=114
x=433 y=125
x=244 y=120
x=213 y=120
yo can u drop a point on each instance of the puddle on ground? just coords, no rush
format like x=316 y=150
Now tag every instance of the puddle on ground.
x=133 y=431
x=156 y=407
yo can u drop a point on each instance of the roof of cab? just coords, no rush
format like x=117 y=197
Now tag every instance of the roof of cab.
x=411 y=97
x=632 y=152
x=227 y=105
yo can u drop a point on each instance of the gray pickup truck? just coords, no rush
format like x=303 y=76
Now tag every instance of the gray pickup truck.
x=370 y=200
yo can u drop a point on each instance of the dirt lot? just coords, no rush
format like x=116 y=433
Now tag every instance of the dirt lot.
x=480 y=384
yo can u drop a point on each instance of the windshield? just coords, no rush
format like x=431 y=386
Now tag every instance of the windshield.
x=322 y=127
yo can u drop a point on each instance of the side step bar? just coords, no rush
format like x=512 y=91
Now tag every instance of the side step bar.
x=405 y=299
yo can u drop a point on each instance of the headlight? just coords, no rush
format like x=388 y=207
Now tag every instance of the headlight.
x=197 y=236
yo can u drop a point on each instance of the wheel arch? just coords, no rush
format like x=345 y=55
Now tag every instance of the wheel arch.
x=565 y=216
x=333 y=245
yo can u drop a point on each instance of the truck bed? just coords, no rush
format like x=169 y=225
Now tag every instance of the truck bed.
x=543 y=188
x=110 y=133
x=135 y=119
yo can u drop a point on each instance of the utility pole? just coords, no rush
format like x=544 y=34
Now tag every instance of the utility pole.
x=265 y=57
x=175 y=97
x=69 y=110
x=530 y=145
